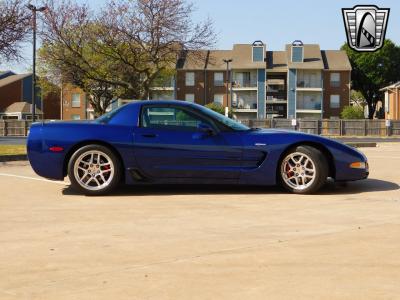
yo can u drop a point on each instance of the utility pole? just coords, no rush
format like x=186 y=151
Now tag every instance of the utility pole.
x=227 y=61
x=34 y=10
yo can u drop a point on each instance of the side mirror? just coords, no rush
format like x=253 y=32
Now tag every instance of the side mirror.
x=205 y=129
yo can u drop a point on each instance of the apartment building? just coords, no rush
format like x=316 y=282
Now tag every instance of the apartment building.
x=301 y=81
x=392 y=101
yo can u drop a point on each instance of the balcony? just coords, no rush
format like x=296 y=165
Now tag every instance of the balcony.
x=309 y=80
x=246 y=80
x=275 y=81
x=276 y=99
x=244 y=101
x=309 y=102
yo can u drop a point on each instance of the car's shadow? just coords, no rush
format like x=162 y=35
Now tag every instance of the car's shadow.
x=356 y=187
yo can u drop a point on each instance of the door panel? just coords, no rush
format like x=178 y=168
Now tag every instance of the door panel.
x=181 y=154
x=169 y=145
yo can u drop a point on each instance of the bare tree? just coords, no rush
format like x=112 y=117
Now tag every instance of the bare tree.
x=121 y=51
x=67 y=53
x=14 y=26
x=148 y=37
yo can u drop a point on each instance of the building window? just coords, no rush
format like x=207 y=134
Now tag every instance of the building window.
x=258 y=53
x=335 y=101
x=189 y=97
x=189 y=78
x=76 y=100
x=75 y=117
x=335 y=79
x=297 y=53
x=219 y=98
x=218 y=79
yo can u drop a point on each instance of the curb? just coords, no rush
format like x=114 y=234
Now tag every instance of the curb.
x=5 y=158
x=361 y=145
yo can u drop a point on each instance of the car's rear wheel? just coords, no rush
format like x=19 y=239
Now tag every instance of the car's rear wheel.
x=303 y=170
x=94 y=170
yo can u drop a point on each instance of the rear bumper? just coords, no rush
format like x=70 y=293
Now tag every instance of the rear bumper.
x=48 y=165
x=44 y=163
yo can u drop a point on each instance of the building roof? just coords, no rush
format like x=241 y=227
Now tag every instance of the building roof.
x=276 y=61
x=216 y=59
x=193 y=60
x=242 y=56
x=312 y=57
x=336 y=60
x=392 y=86
x=13 y=78
x=20 y=107
x=5 y=73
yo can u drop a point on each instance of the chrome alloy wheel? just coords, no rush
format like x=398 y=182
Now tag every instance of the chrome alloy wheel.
x=94 y=170
x=298 y=170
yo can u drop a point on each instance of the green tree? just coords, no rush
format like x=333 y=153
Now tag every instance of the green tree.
x=218 y=108
x=374 y=70
x=352 y=112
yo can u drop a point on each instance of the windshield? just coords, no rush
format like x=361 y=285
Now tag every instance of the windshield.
x=224 y=120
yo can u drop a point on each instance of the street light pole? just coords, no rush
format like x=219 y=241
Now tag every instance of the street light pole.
x=34 y=10
x=227 y=61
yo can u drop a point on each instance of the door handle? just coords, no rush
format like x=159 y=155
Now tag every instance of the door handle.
x=149 y=135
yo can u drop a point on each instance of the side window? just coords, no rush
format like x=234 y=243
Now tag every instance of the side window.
x=172 y=118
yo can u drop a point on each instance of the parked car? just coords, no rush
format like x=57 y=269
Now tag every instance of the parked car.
x=176 y=142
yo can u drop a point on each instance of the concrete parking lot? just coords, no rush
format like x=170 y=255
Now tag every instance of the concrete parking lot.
x=202 y=242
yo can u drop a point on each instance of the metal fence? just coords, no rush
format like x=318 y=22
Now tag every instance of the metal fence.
x=332 y=127
x=324 y=127
x=14 y=127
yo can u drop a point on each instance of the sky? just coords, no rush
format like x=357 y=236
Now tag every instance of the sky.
x=275 y=22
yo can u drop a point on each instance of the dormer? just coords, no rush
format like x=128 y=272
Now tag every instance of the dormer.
x=297 y=54
x=258 y=51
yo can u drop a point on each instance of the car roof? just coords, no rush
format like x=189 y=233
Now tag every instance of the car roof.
x=162 y=102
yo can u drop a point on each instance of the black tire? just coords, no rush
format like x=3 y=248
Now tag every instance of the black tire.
x=112 y=181
x=321 y=170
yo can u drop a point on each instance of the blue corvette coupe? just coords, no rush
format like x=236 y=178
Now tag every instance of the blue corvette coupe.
x=176 y=142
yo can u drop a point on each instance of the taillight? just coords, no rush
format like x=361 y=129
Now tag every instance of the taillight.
x=56 y=149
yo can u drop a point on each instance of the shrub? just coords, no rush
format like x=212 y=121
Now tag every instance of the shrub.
x=352 y=112
x=218 y=108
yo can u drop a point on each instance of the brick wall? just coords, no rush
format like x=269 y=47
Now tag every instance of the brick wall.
x=68 y=110
x=10 y=93
x=343 y=90
x=51 y=106
x=198 y=89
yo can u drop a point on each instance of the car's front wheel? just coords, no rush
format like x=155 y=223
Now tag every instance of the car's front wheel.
x=303 y=170
x=94 y=170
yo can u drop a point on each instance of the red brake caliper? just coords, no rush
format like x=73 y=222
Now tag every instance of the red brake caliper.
x=288 y=172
